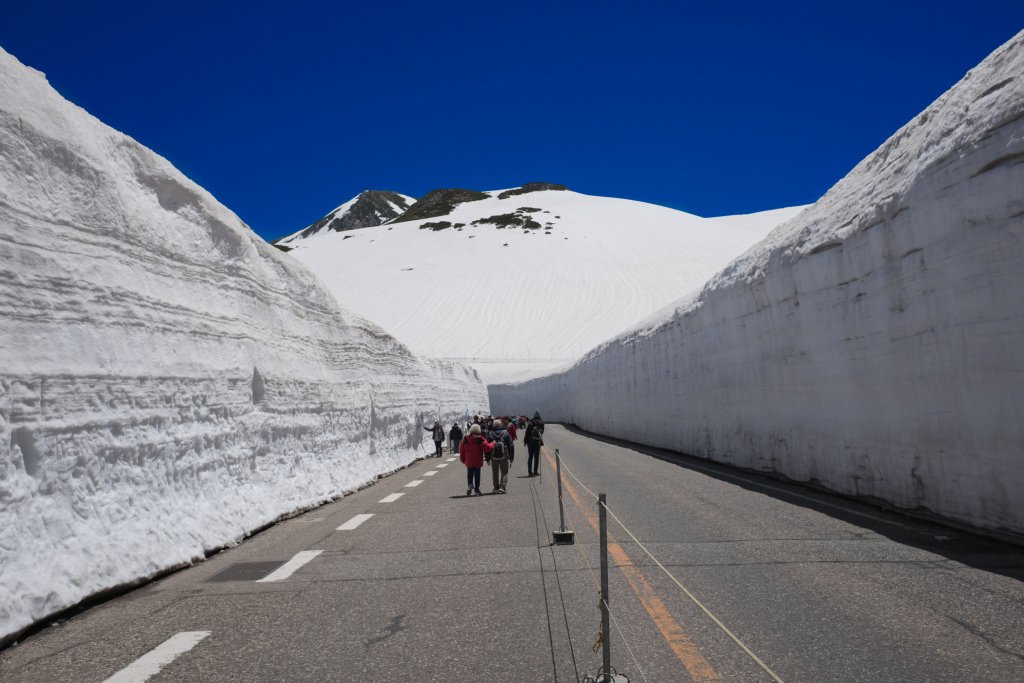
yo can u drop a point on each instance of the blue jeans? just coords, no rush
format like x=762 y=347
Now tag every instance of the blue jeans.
x=533 y=461
x=473 y=478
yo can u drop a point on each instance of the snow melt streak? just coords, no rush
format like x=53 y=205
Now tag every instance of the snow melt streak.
x=169 y=382
x=873 y=344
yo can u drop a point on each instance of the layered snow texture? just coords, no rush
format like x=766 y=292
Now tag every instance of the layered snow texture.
x=169 y=381
x=521 y=285
x=874 y=344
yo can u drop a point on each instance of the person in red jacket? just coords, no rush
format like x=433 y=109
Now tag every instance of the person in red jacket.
x=511 y=428
x=471 y=453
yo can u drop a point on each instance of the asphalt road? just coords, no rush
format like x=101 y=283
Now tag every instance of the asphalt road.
x=437 y=586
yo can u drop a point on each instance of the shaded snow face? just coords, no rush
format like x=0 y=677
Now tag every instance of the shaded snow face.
x=873 y=344
x=169 y=381
x=516 y=282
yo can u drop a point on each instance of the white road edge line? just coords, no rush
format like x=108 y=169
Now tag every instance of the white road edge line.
x=290 y=567
x=354 y=522
x=150 y=663
x=444 y=464
x=430 y=473
x=414 y=482
x=391 y=498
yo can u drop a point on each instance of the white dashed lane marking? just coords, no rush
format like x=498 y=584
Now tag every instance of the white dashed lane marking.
x=392 y=498
x=451 y=459
x=430 y=473
x=354 y=522
x=150 y=663
x=290 y=567
x=414 y=482
x=444 y=464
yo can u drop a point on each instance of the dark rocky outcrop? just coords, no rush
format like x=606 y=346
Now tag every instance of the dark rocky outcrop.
x=372 y=207
x=531 y=187
x=440 y=203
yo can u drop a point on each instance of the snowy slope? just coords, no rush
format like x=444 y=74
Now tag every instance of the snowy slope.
x=368 y=208
x=766 y=220
x=873 y=344
x=169 y=382
x=539 y=279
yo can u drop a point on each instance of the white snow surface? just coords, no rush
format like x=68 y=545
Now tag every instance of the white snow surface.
x=516 y=303
x=169 y=381
x=766 y=220
x=873 y=344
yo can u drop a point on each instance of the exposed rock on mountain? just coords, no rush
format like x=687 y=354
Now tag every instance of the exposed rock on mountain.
x=440 y=203
x=531 y=187
x=365 y=210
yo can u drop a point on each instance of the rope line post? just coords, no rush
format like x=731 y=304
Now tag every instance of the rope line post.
x=562 y=536
x=606 y=629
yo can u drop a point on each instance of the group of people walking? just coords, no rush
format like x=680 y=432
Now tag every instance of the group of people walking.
x=492 y=440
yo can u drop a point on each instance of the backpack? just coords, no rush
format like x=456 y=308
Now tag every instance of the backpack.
x=500 y=449
x=534 y=434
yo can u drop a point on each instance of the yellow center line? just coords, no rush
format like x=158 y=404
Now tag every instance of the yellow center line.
x=686 y=652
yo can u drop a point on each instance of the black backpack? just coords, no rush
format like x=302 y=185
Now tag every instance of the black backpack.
x=500 y=449
x=534 y=434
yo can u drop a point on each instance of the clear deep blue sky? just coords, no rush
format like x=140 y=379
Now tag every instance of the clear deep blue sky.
x=285 y=110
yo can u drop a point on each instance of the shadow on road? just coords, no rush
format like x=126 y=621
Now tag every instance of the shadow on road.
x=952 y=542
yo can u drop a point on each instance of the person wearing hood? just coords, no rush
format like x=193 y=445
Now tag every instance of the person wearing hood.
x=534 y=439
x=438 y=433
x=501 y=456
x=472 y=452
x=455 y=437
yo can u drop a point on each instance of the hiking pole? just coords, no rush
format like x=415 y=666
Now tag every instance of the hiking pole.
x=562 y=536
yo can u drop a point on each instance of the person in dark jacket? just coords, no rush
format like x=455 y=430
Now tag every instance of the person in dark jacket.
x=455 y=437
x=472 y=452
x=501 y=456
x=438 y=433
x=534 y=439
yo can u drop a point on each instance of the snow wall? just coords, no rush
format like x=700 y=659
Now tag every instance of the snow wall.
x=168 y=381
x=873 y=344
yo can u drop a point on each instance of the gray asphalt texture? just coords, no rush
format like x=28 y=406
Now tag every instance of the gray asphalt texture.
x=438 y=586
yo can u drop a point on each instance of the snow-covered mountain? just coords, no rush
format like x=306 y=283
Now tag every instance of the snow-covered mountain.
x=519 y=281
x=169 y=382
x=366 y=209
x=873 y=344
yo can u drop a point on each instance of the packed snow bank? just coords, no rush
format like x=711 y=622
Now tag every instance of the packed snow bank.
x=873 y=344
x=169 y=381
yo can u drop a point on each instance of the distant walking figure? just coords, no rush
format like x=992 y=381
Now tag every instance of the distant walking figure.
x=455 y=437
x=471 y=453
x=534 y=439
x=438 y=431
x=501 y=456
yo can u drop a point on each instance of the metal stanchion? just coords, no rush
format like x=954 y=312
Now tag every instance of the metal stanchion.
x=606 y=631
x=562 y=536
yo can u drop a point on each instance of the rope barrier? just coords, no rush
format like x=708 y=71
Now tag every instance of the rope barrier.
x=683 y=588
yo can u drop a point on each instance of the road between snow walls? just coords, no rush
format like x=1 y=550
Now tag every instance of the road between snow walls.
x=169 y=381
x=874 y=344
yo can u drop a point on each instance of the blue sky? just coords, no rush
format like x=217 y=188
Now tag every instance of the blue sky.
x=284 y=110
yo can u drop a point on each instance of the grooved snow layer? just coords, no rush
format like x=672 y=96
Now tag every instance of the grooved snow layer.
x=873 y=344
x=169 y=381
x=527 y=283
